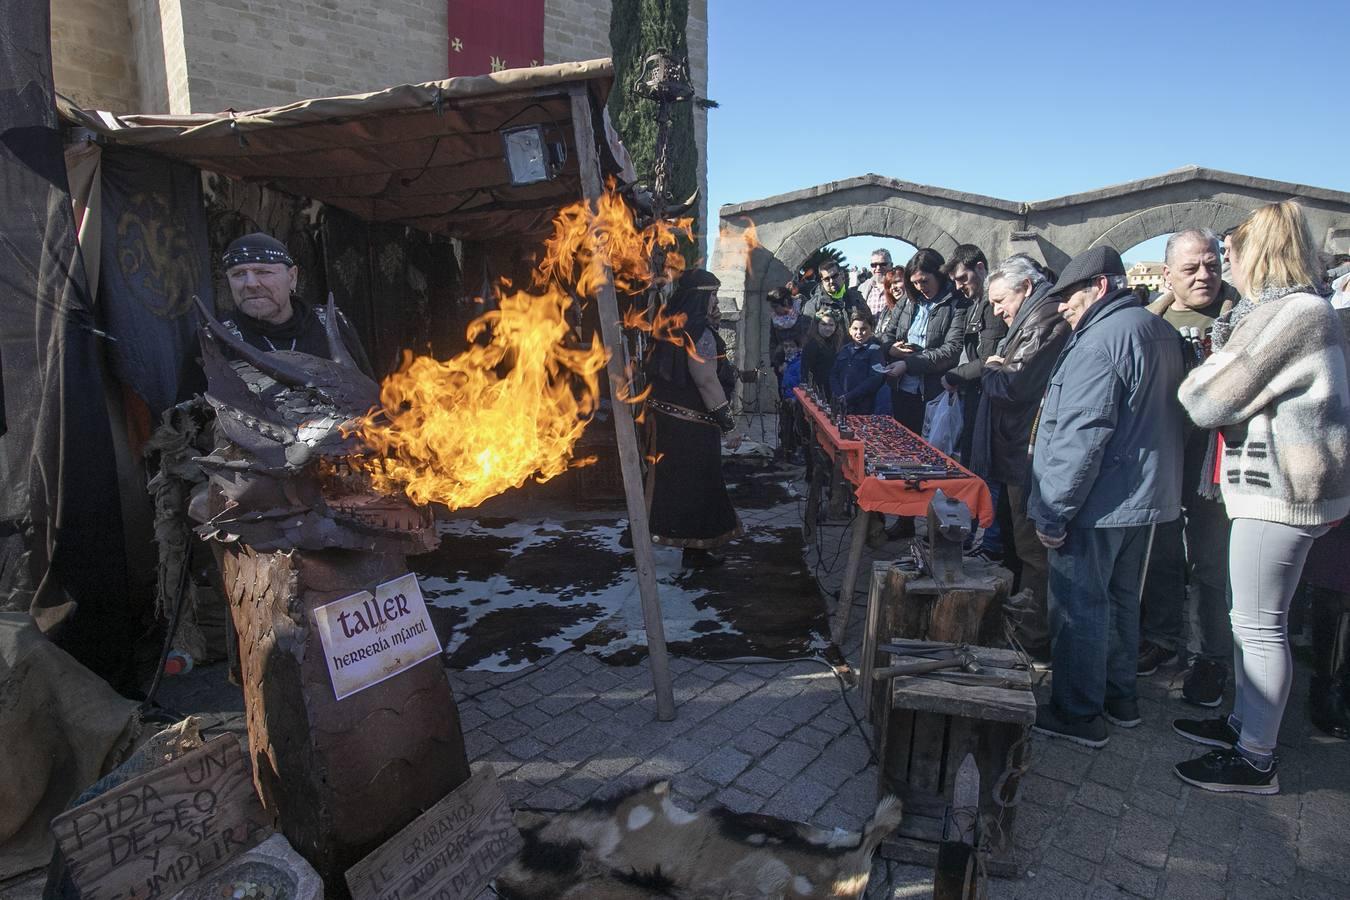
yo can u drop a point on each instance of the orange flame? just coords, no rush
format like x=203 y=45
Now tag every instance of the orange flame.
x=513 y=405
x=584 y=238
x=738 y=249
x=662 y=327
x=625 y=390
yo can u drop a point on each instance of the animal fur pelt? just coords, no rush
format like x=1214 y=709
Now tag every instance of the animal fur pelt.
x=639 y=844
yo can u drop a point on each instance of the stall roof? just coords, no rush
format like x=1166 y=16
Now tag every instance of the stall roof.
x=425 y=155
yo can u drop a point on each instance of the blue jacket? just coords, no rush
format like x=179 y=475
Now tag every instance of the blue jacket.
x=852 y=381
x=1109 y=436
x=792 y=376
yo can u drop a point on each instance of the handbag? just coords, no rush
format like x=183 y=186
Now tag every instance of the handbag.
x=943 y=420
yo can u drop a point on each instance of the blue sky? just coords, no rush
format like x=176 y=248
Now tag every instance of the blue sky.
x=1023 y=101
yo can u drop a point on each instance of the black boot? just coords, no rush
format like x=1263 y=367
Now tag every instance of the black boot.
x=694 y=558
x=1329 y=693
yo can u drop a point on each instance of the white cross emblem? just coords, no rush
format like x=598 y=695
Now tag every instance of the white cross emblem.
x=457 y=45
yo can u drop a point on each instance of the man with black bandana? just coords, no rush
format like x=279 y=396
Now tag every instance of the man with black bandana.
x=268 y=314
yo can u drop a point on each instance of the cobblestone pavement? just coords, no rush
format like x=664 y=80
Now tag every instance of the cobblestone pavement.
x=780 y=739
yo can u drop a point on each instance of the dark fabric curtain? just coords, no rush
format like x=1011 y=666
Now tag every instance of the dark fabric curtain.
x=397 y=286
x=154 y=261
x=57 y=460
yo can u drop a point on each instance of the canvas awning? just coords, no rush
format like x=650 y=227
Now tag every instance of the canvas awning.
x=425 y=155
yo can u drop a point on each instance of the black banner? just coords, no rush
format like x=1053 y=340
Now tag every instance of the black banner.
x=154 y=260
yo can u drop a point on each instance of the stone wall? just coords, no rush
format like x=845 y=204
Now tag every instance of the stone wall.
x=575 y=30
x=92 y=53
x=245 y=54
x=157 y=49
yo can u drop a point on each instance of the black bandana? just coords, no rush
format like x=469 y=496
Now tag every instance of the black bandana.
x=256 y=248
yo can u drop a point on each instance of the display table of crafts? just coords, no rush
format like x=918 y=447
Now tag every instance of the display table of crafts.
x=891 y=470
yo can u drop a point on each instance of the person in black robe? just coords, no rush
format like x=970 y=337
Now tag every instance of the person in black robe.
x=689 y=415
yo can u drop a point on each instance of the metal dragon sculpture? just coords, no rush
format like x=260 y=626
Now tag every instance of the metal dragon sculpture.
x=289 y=422
x=295 y=525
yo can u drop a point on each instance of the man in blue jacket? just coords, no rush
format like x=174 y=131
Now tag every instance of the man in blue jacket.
x=1103 y=473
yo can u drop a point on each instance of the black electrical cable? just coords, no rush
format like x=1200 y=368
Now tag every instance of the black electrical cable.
x=834 y=670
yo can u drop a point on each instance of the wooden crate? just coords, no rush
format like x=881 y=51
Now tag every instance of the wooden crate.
x=925 y=731
x=905 y=604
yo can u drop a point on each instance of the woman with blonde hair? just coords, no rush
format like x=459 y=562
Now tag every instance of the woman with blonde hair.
x=1277 y=390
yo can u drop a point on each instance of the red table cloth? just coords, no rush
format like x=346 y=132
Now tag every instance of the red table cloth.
x=895 y=497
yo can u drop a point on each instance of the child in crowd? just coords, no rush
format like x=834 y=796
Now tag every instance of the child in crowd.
x=789 y=377
x=823 y=340
x=853 y=380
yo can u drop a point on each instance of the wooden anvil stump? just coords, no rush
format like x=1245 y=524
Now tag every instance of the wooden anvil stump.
x=340 y=776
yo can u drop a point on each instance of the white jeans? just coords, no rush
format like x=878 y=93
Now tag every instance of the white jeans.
x=1265 y=560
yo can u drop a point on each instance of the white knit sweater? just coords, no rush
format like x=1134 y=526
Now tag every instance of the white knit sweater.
x=1279 y=392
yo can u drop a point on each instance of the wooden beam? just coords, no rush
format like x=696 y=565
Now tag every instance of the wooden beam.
x=629 y=459
x=844 y=608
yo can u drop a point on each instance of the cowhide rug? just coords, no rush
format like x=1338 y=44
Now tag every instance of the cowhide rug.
x=507 y=592
x=639 y=844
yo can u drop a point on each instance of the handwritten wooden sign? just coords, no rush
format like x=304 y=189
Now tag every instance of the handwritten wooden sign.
x=452 y=850
x=370 y=637
x=159 y=832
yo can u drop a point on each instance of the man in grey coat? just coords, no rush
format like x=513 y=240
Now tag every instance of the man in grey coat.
x=1014 y=382
x=1104 y=472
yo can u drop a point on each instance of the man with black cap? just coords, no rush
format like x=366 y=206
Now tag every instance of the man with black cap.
x=1103 y=473
x=262 y=278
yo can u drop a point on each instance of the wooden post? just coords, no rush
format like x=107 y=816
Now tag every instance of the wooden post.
x=845 y=606
x=629 y=461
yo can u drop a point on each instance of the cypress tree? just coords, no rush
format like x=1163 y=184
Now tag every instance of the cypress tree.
x=637 y=28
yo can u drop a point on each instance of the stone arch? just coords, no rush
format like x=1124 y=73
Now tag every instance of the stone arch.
x=879 y=219
x=1171 y=217
x=793 y=225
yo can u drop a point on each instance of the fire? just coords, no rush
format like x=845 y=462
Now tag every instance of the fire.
x=739 y=248
x=512 y=406
x=583 y=239
x=661 y=327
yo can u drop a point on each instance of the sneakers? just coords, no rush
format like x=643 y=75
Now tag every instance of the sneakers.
x=1210 y=732
x=1122 y=713
x=1228 y=771
x=1151 y=656
x=1090 y=733
x=1205 y=682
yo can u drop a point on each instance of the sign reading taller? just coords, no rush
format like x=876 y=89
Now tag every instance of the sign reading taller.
x=491 y=35
x=370 y=637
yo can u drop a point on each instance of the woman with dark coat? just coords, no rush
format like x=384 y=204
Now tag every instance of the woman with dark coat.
x=689 y=506
x=893 y=289
x=926 y=338
x=823 y=340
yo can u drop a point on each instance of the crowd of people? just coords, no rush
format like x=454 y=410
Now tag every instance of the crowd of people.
x=1162 y=467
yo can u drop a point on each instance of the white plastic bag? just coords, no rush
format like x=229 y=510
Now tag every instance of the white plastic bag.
x=943 y=421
